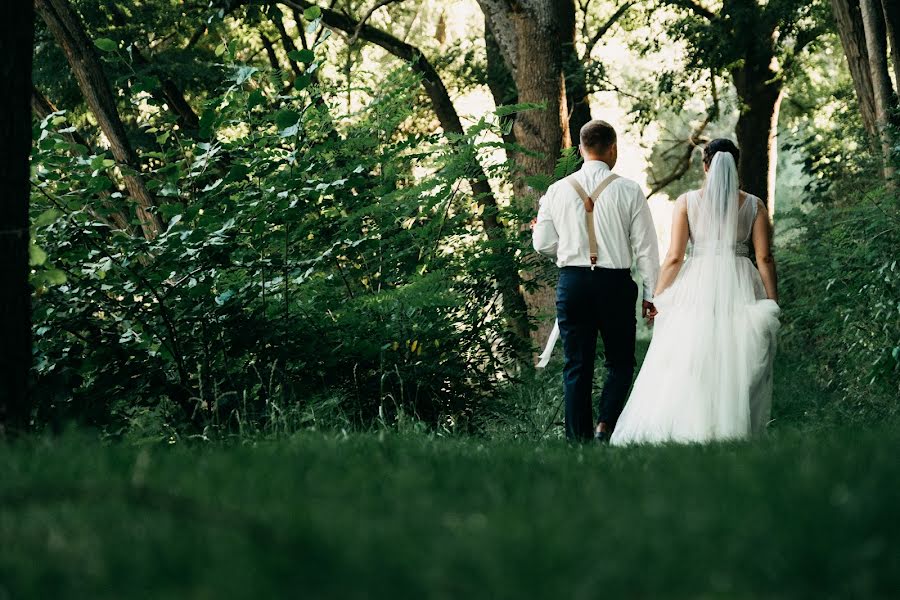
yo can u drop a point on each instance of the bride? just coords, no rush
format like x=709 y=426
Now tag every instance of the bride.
x=708 y=371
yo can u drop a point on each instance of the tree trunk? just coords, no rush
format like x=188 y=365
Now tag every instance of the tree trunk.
x=542 y=133
x=853 y=39
x=760 y=92
x=892 y=27
x=527 y=33
x=873 y=24
x=756 y=132
x=539 y=79
x=67 y=29
x=578 y=102
x=16 y=42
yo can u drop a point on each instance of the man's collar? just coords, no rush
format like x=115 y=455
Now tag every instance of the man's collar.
x=595 y=164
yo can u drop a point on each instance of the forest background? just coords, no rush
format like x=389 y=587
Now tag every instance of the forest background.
x=264 y=217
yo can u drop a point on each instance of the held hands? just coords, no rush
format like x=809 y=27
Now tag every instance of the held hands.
x=533 y=223
x=648 y=312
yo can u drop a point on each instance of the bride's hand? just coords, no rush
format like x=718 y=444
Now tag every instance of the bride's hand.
x=649 y=312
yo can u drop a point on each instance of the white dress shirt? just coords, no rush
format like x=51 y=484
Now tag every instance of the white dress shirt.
x=622 y=223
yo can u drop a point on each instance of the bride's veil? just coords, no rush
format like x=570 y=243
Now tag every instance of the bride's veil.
x=715 y=237
x=720 y=358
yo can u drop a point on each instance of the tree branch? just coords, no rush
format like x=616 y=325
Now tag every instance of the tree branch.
x=695 y=8
x=694 y=140
x=684 y=162
x=367 y=16
x=288 y=44
x=604 y=28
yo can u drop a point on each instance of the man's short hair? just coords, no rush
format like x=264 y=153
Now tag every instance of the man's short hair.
x=597 y=136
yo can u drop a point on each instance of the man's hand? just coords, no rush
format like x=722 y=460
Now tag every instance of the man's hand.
x=648 y=311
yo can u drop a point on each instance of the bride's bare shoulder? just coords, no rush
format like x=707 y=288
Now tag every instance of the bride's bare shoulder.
x=683 y=198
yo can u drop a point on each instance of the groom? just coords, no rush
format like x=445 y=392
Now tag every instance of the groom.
x=596 y=224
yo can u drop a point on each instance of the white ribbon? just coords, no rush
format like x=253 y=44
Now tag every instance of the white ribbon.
x=548 y=349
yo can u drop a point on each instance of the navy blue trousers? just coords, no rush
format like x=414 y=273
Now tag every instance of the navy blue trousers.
x=588 y=303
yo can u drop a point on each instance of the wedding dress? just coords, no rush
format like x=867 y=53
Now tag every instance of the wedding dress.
x=708 y=372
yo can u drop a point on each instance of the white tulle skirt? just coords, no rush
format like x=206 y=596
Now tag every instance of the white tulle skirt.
x=708 y=372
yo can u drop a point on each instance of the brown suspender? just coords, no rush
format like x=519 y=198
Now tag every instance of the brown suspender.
x=589 y=201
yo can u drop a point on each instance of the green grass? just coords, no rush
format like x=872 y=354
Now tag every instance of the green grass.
x=396 y=516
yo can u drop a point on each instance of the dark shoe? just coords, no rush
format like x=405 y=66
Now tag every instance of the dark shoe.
x=601 y=437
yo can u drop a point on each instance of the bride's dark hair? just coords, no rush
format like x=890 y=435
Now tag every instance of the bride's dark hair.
x=720 y=145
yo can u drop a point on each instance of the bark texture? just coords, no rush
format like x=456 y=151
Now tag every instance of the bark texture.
x=848 y=18
x=68 y=30
x=578 y=104
x=757 y=127
x=527 y=34
x=759 y=88
x=539 y=80
x=892 y=28
x=16 y=41
x=873 y=25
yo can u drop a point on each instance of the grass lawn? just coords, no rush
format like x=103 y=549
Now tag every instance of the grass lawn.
x=393 y=516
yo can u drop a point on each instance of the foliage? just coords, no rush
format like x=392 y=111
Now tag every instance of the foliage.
x=841 y=285
x=307 y=255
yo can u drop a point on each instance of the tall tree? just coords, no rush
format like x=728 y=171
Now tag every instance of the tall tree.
x=68 y=30
x=848 y=18
x=16 y=41
x=876 y=44
x=528 y=34
x=759 y=44
x=892 y=28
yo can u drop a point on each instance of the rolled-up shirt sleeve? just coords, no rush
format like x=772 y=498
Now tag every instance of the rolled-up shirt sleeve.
x=644 y=245
x=544 y=237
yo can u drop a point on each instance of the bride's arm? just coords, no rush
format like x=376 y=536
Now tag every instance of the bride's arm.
x=677 y=245
x=762 y=244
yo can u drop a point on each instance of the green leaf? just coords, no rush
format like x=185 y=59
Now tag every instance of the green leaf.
x=106 y=44
x=539 y=183
x=301 y=83
x=303 y=56
x=286 y=118
x=212 y=186
x=207 y=122
x=149 y=83
x=54 y=277
x=237 y=173
x=36 y=255
x=47 y=217
x=312 y=13
x=255 y=99
x=243 y=73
